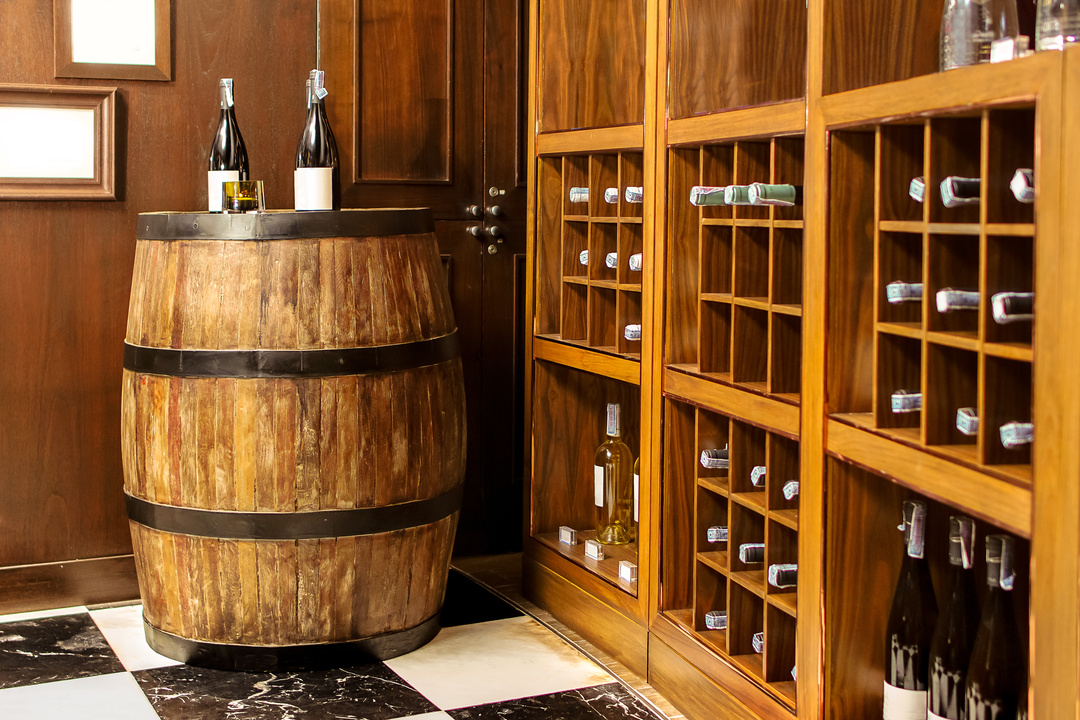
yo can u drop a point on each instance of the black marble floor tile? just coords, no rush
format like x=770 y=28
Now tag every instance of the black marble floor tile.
x=468 y=602
x=606 y=702
x=371 y=692
x=50 y=649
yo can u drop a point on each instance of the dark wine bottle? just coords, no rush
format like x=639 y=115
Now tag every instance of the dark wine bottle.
x=911 y=624
x=957 y=191
x=1010 y=307
x=782 y=195
x=316 y=180
x=954 y=636
x=997 y=671
x=228 y=155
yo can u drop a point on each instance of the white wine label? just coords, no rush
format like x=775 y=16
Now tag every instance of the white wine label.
x=567 y=535
x=627 y=571
x=214 y=180
x=758 y=642
x=791 y=489
x=611 y=196
x=903 y=704
x=1008 y=48
x=715 y=459
x=717 y=534
x=637 y=491
x=612 y=260
x=313 y=188
x=634 y=194
x=716 y=620
x=636 y=263
x=632 y=332
x=593 y=550
x=583 y=257
x=579 y=194
x=598 y=485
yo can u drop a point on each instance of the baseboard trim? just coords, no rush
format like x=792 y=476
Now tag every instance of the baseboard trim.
x=94 y=581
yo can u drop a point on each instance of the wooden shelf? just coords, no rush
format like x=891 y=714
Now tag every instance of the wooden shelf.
x=608 y=568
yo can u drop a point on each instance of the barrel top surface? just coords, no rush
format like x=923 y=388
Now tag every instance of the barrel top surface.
x=284 y=224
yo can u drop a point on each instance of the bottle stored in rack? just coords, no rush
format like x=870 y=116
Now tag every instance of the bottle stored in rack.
x=954 y=636
x=715 y=458
x=613 y=485
x=957 y=191
x=903 y=292
x=1010 y=307
x=967 y=420
x=752 y=553
x=906 y=401
x=951 y=299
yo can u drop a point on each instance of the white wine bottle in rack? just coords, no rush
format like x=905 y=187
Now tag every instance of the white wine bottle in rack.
x=583 y=257
x=611 y=260
x=952 y=299
x=757 y=475
x=752 y=553
x=791 y=490
x=903 y=292
x=613 y=484
x=634 y=195
x=228 y=159
x=781 y=195
x=716 y=620
x=910 y=626
x=906 y=401
x=737 y=195
x=715 y=458
x=716 y=534
x=632 y=332
x=636 y=262
x=758 y=642
x=611 y=195
x=1017 y=434
x=997 y=671
x=957 y=191
x=1022 y=185
x=579 y=195
x=967 y=421
x=917 y=189
x=954 y=635
x=783 y=575
x=705 y=195
x=1010 y=307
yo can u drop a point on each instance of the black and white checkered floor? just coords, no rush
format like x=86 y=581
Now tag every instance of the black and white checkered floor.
x=489 y=661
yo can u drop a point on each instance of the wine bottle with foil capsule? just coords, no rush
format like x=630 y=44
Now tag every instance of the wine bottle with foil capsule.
x=910 y=626
x=316 y=179
x=228 y=161
x=954 y=636
x=613 y=484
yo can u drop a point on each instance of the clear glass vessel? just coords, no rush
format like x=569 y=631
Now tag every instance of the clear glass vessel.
x=1057 y=24
x=613 y=479
x=969 y=26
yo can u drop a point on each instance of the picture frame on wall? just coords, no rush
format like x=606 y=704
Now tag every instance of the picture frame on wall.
x=57 y=142
x=115 y=39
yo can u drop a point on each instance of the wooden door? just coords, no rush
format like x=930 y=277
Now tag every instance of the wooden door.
x=427 y=102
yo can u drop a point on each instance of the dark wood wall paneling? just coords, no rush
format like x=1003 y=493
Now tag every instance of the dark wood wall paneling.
x=66 y=267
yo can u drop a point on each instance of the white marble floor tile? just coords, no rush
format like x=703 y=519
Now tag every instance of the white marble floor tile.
x=123 y=628
x=38 y=614
x=102 y=697
x=495 y=661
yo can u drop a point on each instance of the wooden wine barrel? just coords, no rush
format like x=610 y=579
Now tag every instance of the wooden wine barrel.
x=293 y=435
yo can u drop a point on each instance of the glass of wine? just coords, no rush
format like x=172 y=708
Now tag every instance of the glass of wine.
x=243 y=196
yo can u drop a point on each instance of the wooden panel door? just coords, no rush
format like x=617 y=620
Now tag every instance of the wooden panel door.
x=427 y=100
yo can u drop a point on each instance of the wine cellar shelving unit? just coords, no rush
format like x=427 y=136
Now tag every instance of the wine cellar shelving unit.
x=769 y=331
x=590 y=303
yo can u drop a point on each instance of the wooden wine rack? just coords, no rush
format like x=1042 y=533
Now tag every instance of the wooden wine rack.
x=589 y=304
x=768 y=329
x=735 y=284
x=962 y=358
x=706 y=576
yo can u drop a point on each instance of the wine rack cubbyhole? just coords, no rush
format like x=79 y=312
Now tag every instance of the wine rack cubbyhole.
x=955 y=356
x=568 y=427
x=863 y=554
x=747 y=500
x=735 y=272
